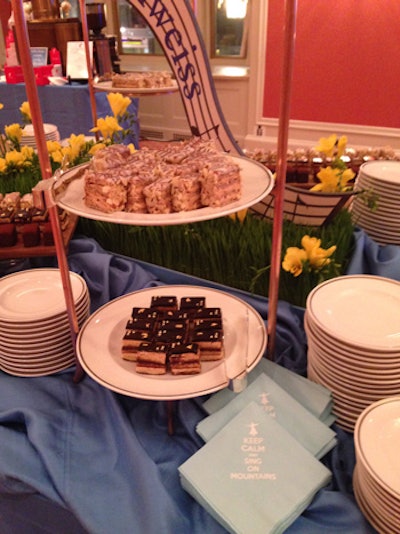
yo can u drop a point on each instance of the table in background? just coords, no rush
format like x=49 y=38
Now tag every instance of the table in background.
x=67 y=106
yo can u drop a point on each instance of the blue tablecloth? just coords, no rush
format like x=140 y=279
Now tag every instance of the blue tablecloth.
x=68 y=107
x=81 y=458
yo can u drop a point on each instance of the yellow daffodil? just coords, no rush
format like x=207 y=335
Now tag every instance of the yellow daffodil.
x=132 y=148
x=309 y=243
x=27 y=154
x=107 y=127
x=341 y=145
x=26 y=111
x=3 y=165
x=75 y=143
x=13 y=132
x=96 y=147
x=345 y=177
x=317 y=257
x=320 y=257
x=311 y=254
x=327 y=145
x=1 y=105
x=118 y=103
x=333 y=180
x=330 y=180
x=239 y=215
x=294 y=260
x=55 y=151
x=15 y=158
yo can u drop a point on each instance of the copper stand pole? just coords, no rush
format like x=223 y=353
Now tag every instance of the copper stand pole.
x=45 y=166
x=284 y=117
x=92 y=93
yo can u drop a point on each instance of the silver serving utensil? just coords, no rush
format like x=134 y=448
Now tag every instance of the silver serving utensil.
x=238 y=382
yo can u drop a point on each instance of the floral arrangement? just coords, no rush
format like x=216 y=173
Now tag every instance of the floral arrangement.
x=336 y=177
x=19 y=164
x=310 y=258
x=310 y=265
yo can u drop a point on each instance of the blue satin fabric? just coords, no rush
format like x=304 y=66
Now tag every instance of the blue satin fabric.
x=81 y=458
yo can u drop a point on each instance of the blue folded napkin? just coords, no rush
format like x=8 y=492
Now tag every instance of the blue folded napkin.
x=315 y=397
x=253 y=476
x=309 y=431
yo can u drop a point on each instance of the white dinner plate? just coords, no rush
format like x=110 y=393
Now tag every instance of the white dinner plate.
x=257 y=182
x=135 y=91
x=377 y=438
x=46 y=370
x=36 y=294
x=362 y=310
x=57 y=322
x=360 y=356
x=100 y=339
x=382 y=171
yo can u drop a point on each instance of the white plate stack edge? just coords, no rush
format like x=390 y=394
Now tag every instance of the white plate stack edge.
x=352 y=325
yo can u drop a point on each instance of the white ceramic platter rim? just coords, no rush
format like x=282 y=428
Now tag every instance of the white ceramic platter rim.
x=382 y=171
x=352 y=384
x=36 y=294
x=372 y=360
x=361 y=310
x=376 y=439
x=44 y=371
x=358 y=394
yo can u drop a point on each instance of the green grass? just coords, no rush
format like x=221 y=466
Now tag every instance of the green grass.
x=226 y=251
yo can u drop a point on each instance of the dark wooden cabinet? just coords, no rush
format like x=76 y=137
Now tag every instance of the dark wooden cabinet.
x=55 y=34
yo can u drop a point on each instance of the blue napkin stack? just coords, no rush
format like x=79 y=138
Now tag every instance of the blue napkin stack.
x=309 y=431
x=253 y=476
x=314 y=397
x=259 y=468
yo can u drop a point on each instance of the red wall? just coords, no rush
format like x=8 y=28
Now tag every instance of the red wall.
x=346 y=62
x=5 y=11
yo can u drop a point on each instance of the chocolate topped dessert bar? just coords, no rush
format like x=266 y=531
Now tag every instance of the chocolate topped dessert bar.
x=164 y=303
x=8 y=235
x=7 y=215
x=30 y=235
x=192 y=303
x=207 y=324
x=184 y=359
x=210 y=344
x=207 y=313
x=22 y=216
x=145 y=313
x=141 y=323
x=151 y=358
x=187 y=329
x=47 y=233
x=175 y=315
x=170 y=336
x=131 y=342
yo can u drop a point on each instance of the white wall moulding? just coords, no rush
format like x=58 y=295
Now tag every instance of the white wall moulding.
x=306 y=134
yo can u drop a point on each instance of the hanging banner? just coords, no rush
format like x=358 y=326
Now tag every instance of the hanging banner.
x=174 y=25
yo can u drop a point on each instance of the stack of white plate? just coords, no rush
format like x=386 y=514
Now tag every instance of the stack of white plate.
x=353 y=332
x=380 y=178
x=376 y=478
x=28 y=136
x=35 y=334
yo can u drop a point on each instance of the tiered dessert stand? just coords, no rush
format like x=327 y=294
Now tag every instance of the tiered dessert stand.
x=257 y=183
